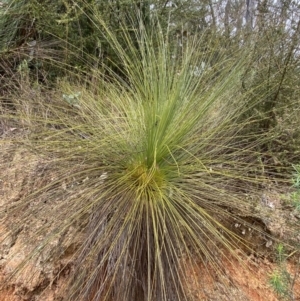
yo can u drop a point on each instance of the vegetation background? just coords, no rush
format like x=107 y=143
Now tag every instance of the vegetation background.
x=158 y=124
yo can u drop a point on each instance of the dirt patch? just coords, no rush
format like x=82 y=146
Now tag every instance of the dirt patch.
x=240 y=281
x=248 y=281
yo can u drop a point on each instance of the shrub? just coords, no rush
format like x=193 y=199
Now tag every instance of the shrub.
x=281 y=280
x=150 y=171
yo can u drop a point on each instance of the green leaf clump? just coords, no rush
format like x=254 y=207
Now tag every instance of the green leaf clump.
x=151 y=168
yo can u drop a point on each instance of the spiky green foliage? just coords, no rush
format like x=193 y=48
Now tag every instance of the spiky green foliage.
x=151 y=172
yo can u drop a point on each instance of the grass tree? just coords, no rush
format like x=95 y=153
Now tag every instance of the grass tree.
x=154 y=167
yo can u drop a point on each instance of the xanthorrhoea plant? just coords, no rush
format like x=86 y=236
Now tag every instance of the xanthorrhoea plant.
x=153 y=166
